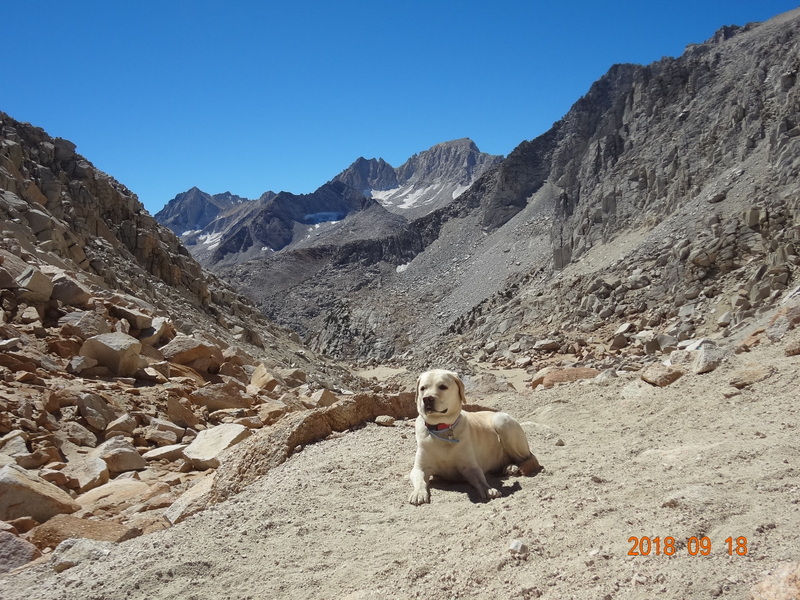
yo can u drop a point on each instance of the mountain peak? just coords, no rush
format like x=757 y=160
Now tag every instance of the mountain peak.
x=194 y=209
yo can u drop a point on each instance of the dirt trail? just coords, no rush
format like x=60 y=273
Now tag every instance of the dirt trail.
x=696 y=459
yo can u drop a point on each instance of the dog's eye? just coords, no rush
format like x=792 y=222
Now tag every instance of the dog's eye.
x=422 y=388
x=443 y=387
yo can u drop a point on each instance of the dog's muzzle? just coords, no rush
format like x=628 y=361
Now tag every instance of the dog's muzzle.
x=429 y=403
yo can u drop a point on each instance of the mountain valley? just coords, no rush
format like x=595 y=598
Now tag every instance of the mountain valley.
x=218 y=401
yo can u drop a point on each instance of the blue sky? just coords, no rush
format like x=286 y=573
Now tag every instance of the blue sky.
x=250 y=96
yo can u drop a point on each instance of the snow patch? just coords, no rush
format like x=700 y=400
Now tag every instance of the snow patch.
x=210 y=240
x=459 y=190
x=322 y=217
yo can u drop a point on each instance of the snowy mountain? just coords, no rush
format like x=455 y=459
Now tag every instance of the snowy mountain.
x=426 y=181
x=224 y=229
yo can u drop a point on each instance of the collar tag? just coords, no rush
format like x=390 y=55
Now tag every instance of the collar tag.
x=434 y=429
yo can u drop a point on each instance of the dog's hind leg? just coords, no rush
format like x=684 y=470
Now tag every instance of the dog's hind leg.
x=515 y=443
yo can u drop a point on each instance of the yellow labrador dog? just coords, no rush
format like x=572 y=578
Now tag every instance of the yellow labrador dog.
x=459 y=446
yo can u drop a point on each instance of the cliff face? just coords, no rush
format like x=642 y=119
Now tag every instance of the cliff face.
x=698 y=126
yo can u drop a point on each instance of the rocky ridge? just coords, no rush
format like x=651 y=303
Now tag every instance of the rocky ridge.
x=645 y=179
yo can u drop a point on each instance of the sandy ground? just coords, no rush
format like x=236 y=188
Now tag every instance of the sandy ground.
x=697 y=459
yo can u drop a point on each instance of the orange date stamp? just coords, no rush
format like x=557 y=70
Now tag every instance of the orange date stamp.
x=694 y=546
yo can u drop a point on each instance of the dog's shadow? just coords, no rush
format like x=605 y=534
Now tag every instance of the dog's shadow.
x=505 y=488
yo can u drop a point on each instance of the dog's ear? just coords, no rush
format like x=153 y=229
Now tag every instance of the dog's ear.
x=460 y=385
x=416 y=389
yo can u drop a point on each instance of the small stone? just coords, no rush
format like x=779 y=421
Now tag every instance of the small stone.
x=660 y=375
x=384 y=420
x=792 y=348
x=748 y=376
x=518 y=548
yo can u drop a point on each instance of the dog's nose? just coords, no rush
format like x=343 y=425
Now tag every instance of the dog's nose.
x=428 y=401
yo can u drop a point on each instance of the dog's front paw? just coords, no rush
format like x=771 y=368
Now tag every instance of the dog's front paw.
x=493 y=493
x=418 y=497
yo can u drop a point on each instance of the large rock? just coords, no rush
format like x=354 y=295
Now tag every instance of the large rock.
x=96 y=410
x=118 y=352
x=270 y=446
x=14 y=442
x=75 y=551
x=137 y=319
x=192 y=501
x=170 y=452
x=15 y=552
x=115 y=496
x=186 y=350
x=550 y=376
x=322 y=398
x=660 y=375
x=219 y=396
x=159 y=329
x=179 y=411
x=707 y=358
x=263 y=379
x=209 y=444
x=34 y=286
x=69 y=291
x=782 y=584
x=271 y=410
x=83 y=324
x=123 y=425
x=78 y=434
x=120 y=455
x=90 y=472
x=25 y=494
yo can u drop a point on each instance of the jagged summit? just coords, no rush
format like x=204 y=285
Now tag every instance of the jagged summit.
x=194 y=209
x=224 y=229
x=425 y=182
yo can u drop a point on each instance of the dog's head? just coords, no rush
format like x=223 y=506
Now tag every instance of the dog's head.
x=440 y=395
